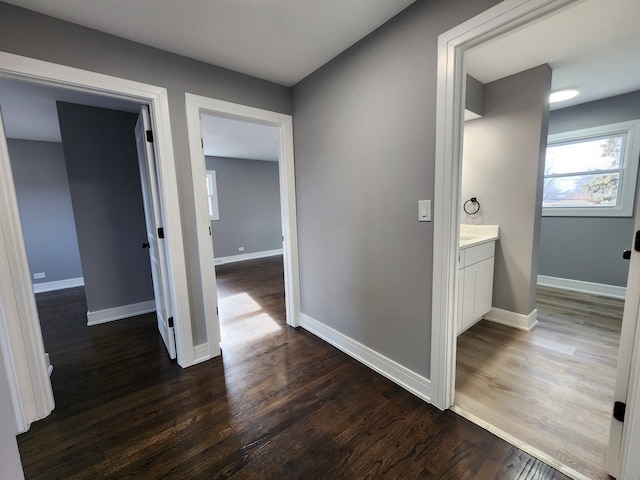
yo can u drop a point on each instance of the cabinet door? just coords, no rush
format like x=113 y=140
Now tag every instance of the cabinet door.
x=477 y=292
x=484 y=287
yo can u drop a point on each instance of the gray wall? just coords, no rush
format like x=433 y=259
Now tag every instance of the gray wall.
x=564 y=250
x=474 y=96
x=503 y=161
x=364 y=145
x=42 y=188
x=249 y=203
x=23 y=32
x=104 y=180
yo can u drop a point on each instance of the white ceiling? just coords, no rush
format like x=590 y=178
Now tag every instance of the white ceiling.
x=29 y=113
x=224 y=137
x=593 y=45
x=282 y=41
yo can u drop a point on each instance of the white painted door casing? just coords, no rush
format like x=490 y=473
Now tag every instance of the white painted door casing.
x=20 y=336
x=197 y=105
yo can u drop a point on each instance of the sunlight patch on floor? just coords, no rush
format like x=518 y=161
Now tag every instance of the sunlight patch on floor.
x=250 y=322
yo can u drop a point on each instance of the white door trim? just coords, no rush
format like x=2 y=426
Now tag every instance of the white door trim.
x=195 y=106
x=502 y=18
x=30 y=368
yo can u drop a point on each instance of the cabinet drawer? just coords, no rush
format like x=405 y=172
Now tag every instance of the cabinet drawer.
x=478 y=253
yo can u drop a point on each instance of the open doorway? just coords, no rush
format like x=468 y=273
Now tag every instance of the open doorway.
x=562 y=363
x=243 y=195
x=77 y=179
x=199 y=110
x=30 y=387
x=527 y=314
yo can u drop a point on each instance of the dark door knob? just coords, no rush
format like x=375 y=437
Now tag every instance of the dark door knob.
x=145 y=245
x=626 y=254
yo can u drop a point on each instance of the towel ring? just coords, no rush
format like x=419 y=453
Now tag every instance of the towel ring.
x=474 y=208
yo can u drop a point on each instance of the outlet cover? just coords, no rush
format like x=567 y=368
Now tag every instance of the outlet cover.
x=241 y=249
x=37 y=276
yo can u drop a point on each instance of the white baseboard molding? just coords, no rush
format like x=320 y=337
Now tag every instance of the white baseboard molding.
x=408 y=379
x=201 y=353
x=58 y=285
x=117 y=313
x=247 y=256
x=512 y=319
x=584 y=287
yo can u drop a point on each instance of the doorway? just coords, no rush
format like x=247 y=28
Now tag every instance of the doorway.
x=199 y=107
x=29 y=381
x=500 y=19
x=243 y=194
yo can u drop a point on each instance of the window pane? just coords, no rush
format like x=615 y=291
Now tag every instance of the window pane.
x=599 y=190
x=584 y=155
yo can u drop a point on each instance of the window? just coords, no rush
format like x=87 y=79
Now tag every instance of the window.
x=592 y=172
x=212 y=195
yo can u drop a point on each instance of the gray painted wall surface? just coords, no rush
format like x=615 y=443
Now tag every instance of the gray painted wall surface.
x=565 y=251
x=42 y=188
x=502 y=166
x=365 y=145
x=104 y=180
x=474 y=96
x=9 y=454
x=249 y=204
x=27 y=33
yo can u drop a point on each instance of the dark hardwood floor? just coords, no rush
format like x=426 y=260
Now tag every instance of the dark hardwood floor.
x=278 y=404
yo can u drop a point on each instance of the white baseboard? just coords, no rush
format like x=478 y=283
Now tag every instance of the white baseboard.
x=58 y=285
x=247 y=256
x=408 y=379
x=584 y=287
x=201 y=353
x=117 y=313
x=512 y=319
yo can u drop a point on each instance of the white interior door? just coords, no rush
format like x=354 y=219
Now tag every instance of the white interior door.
x=628 y=341
x=155 y=234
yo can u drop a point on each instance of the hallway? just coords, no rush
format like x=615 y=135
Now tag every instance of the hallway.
x=279 y=405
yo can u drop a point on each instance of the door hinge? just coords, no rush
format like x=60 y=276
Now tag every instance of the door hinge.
x=170 y=322
x=161 y=232
x=209 y=231
x=202 y=143
x=618 y=411
x=217 y=311
x=636 y=245
x=149 y=134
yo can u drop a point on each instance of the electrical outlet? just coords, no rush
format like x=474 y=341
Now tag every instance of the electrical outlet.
x=241 y=249
x=37 y=276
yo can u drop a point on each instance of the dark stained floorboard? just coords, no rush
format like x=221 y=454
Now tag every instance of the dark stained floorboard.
x=279 y=404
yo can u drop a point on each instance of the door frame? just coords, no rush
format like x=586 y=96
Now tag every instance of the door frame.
x=504 y=17
x=24 y=349
x=197 y=105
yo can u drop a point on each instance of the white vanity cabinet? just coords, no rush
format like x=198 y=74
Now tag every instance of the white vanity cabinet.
x=475 y=283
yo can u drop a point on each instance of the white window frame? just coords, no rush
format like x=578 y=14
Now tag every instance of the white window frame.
x=212 y=195
x=628 y=170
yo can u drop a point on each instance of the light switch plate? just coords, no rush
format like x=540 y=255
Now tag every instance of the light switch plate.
x=424 y=210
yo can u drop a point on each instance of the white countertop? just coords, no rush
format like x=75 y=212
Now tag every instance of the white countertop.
x=471 y=235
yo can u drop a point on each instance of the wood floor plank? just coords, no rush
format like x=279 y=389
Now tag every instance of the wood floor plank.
x=551 y=388
x=278 y=404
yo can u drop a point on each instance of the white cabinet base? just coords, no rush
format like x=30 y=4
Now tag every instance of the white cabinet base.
x=475 y=284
